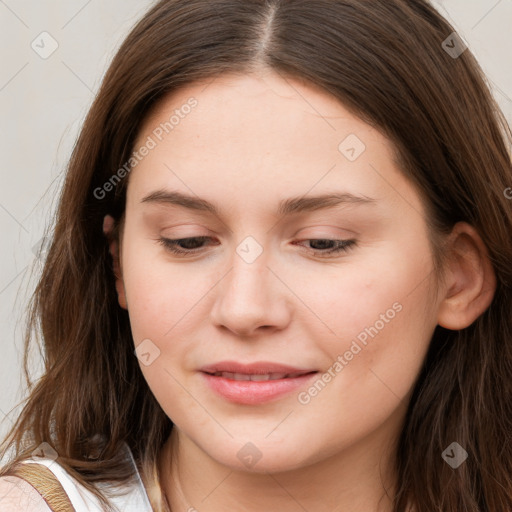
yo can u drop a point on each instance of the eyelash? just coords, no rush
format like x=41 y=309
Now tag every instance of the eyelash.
x=172 y=245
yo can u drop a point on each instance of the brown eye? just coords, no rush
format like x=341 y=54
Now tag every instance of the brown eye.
x=184 y=246
x=326 y=247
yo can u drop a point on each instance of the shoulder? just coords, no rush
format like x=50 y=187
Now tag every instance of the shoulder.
x=17 y=495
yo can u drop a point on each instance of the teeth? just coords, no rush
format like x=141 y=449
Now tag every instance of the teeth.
x=293 y=375
x=243 y=376
x=261 y=377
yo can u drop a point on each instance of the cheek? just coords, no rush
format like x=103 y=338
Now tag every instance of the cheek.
x=383 y=327
x=161 y=298
x=160 y=294
x=380 y=320
x=369 y=295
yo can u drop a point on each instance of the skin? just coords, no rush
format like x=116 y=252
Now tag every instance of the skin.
x=251 y=141
x=16 y=494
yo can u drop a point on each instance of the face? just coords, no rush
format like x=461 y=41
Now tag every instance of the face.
x=337 y=290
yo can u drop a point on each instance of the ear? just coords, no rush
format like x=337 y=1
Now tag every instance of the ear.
x=108 y=224
x=470 y=279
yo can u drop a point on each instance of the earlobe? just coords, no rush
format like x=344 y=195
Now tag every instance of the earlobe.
x=108 y=224
x=470 y=279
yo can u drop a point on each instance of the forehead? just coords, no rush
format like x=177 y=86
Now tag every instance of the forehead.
x=264 y=104
x=264 y=134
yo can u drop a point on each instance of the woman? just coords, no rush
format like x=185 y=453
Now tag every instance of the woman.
x=280 y=273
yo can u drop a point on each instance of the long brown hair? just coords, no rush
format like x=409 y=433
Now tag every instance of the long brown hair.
x=385 y=61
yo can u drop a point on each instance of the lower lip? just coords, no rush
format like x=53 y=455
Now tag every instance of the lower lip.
x=255 y=392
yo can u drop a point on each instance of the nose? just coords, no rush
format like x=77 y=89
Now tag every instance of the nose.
x=251 y=298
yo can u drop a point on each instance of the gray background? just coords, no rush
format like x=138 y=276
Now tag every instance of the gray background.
x=44 y=101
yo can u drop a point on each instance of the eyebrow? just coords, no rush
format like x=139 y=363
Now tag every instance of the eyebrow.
x=286 y=207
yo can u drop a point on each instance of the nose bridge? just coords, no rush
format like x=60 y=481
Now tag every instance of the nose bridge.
x=247 y=287
x=250 y=295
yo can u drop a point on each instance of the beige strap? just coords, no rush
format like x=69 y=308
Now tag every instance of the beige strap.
x=46 y=484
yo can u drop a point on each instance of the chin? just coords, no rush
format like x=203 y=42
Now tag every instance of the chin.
x=261 y=457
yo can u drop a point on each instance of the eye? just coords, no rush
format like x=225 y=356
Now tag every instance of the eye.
x=329 y=247
x=192 y=245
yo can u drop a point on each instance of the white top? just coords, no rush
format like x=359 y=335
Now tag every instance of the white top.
x=134 y=498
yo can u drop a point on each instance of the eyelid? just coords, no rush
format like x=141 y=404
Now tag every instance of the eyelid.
x=341 y=246
x=326 y=231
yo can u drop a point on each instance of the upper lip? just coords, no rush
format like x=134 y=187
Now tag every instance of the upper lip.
x=257 y=368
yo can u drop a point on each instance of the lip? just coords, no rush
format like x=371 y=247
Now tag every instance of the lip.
x=249 y=392
x=257 y=368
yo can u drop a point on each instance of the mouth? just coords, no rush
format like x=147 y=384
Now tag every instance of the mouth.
x=258 y=377
x=254 y=384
